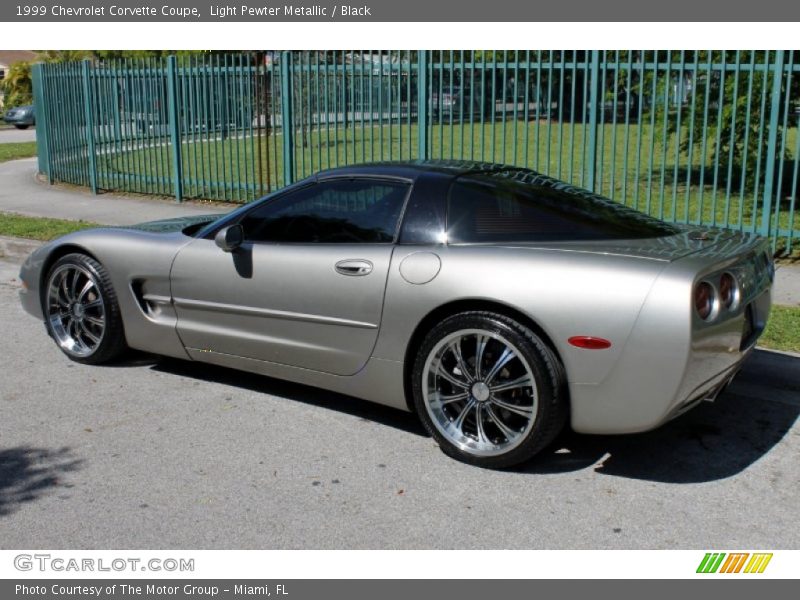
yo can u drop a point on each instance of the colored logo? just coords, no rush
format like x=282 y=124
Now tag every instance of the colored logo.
x=734 y=562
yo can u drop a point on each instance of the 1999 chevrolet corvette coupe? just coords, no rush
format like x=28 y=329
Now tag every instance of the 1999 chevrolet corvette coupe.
x=495 y=302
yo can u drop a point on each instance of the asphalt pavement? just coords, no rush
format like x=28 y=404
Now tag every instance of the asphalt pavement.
x=157 y=453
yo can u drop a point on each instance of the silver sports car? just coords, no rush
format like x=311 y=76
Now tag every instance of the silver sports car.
x=494 y=302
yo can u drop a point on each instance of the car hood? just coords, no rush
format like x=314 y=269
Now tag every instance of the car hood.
x=173 y=225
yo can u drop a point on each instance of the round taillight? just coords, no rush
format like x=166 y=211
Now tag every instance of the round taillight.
x=728 y=290
x=704 y=299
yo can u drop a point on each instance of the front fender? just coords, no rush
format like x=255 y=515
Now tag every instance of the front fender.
x=137 y=262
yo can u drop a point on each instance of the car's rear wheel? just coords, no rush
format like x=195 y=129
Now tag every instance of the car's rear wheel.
x=81 y=310
x=488 y=389
x=21 y=126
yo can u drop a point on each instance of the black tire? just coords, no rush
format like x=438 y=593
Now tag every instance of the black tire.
x=21 y=126
x=112 y=343
x=551 y=406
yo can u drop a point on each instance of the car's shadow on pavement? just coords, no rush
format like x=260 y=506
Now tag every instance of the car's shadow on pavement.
x=713 y=441
x=27 y=473
x=368 y=411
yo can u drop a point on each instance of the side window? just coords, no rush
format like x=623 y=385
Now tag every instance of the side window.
x=342 y=211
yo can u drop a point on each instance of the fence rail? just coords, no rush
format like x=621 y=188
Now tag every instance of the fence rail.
x=706 y=137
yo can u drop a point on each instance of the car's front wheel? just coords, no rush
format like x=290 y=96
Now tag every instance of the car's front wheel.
x=488 y=389
x=21 y=126
x=81 y=310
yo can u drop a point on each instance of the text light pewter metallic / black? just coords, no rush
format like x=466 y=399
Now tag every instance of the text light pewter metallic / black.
x=223 y=11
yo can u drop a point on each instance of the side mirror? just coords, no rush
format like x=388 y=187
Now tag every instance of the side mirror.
x=229 y=238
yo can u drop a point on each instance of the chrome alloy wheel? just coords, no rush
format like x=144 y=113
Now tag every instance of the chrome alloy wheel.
x=75 y=310
x=480 y=392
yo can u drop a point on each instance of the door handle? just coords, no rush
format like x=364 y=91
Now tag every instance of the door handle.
x=354 y=267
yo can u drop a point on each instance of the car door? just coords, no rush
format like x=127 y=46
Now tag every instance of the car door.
x=306 y=286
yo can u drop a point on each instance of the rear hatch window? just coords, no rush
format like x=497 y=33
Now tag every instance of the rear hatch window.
x=492 y=208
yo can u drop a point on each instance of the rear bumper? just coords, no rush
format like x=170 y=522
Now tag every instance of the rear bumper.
x=720 y=350
x=599 y=409
x=670 y=363
x=708 y=391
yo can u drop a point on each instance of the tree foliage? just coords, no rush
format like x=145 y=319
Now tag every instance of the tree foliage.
x=731 y=115
x=17 y=85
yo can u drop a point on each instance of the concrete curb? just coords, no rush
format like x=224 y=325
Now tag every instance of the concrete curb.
x=14 y=247
x=781 y=352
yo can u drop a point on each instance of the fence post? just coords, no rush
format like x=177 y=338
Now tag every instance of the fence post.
x=287 y=121
x=422 y=104
x=42 y=122
x=89 y=125
x=772 y=143
x=174 y=126
x=594 y=85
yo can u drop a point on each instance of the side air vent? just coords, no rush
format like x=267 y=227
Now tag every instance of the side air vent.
x=150 y=304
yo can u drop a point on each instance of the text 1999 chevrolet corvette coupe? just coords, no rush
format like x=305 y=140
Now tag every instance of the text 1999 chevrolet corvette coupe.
x=495 y=302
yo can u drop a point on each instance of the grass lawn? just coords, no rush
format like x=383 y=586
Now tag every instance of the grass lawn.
x=37 y=228
x=637 y=165
x=783 y=329
x=17 y=150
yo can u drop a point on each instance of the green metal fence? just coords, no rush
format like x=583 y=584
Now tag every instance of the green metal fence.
x=706 y=137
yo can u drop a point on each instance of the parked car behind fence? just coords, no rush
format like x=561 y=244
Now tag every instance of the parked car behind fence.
x=21 y=117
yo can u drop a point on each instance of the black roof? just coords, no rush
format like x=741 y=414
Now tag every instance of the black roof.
x=413 y=168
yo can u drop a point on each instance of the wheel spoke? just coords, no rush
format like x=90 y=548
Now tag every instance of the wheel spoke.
x=505 y=357
x=89 y=334
x=72 y=331
x=85 y=290
x=93 y=304
x=57 y=305
x=73 y=288
x=62 y=287
x=479 y=350
x=505 y=430
x=449 y=377
x=455 y=350
x=481 y=433
x=94 y=321
x=444 y=399
x=523 y=381
x=459 y=420
x=520 y=410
